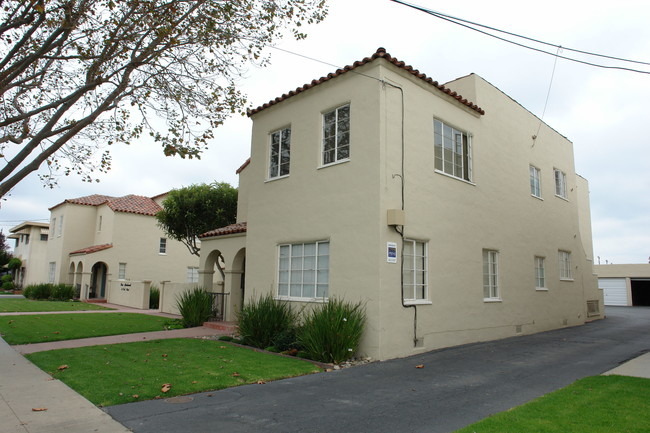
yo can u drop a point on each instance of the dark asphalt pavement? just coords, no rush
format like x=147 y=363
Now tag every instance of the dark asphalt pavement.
x=456 y=387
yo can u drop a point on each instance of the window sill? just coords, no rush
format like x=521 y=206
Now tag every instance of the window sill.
x=492 y=300
x=541 y=289
x=454 y=177
x=570 y=280
x=276 y=178
x=342 y=161
x=293 y=299
x=417 y=302
x=537 y=197
x=162 y=254
x=562 y=198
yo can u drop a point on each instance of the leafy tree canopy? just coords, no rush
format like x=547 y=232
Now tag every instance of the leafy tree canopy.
x=5 y=254
x=196 y=209
x=77 y=76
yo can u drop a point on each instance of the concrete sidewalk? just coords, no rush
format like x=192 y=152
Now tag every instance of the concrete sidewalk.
x=31 y=401
x=637 y=367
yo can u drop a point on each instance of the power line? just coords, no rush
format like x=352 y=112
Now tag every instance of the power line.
x=470 y=25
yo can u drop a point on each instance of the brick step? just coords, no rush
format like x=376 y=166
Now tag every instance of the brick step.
x=95 y=301
x=230 y=327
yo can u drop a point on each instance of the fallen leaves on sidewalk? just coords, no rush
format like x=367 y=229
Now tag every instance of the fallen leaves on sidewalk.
x=39 y=409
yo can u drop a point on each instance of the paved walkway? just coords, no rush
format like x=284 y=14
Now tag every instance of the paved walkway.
x=31 y=401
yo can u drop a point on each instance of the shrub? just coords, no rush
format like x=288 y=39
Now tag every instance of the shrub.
x=263 y=321
x=154 y=298
x=7 y=278
x=62 y=292
x=195 y=306
x=331 y=332
x=14 y=263
x=7 y=286
x=27 y=291
x=41 y=291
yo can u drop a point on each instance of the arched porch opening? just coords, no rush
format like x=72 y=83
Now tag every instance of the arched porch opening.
x=98 y=281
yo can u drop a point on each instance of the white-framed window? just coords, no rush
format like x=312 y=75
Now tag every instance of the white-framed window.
x=540 y=273
x=560 y=183
x=303 y=271
x=53 y=225
x=51 y=272
x=121 y=273
x=60 y=226
x=162 y=247
x=415 y=271
x=336 y=135
x=25 y=238
x=192 y=274
x=44 y=237
x=564 y=265
x=490 y=275
x=280 y=153
x=452 y=151
x=535 y=182
x=99 y=224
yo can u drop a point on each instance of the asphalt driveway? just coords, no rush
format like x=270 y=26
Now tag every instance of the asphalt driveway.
x=456 y=387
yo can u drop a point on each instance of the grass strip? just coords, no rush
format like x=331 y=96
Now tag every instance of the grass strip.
x=123 y=373
x=598 y=404
x=34 y=328
x=10 y=305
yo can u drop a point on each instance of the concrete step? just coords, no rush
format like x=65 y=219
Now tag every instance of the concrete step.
x=229 y=327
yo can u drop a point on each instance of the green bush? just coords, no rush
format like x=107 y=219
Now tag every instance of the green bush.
x=41 y=291
x=7 y=286
x=263 y=321
x=154 y=298
x=54 y=292
x=331 y=332
x=14 y=263
x=7 y=278
x=195 y=306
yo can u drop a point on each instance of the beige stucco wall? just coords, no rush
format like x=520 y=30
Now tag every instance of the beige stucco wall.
x=346 y=204
x=33 y=255
x=631 y=270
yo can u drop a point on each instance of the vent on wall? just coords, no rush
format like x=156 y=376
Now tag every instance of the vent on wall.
x=593 y=308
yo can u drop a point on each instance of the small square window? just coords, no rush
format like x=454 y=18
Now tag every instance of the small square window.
x=162 y=248
x=122 y=271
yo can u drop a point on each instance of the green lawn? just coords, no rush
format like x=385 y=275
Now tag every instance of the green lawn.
x=35 y=328
x=599 y=404
x=124 y=373
x=10 y=305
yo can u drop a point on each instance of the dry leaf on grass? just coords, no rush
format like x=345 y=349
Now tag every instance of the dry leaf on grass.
x=166 y=387
x=260 y=382
x=62 y=367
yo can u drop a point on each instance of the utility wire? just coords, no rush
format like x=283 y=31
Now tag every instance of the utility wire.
x=469 y=25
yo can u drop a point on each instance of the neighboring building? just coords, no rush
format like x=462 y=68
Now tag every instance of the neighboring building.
x=452 y=223
x=626 y=284
x=97 y=239
x=31 y=249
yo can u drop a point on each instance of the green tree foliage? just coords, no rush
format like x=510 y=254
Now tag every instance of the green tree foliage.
x=196 y=209
x=77 y=76
x=5 y=254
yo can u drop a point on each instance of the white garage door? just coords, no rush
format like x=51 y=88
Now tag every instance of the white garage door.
x=614 y=290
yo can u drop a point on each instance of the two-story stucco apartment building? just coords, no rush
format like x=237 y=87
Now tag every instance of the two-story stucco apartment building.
x=97 y=239
x=455 y=219
x=31 y=249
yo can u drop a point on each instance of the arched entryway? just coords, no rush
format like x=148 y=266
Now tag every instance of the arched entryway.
x=98 y=279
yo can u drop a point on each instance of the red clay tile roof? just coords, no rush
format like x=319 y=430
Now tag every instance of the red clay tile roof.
x=93 y=249
x=134 y=204
x=243 y=166
x=227 y=230
x=129 y=203
x=380 y=53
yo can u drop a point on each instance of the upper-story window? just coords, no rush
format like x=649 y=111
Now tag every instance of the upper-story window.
x=162 y=247
x=280 y=153
x=453 y=151
x=60 y=225
x=336 y=135
x=564 y=264
x=99 y=224
x=560 y=183
x=535 y=182
x=491 y=275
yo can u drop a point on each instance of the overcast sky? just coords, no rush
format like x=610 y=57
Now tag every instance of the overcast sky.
x=603 y=112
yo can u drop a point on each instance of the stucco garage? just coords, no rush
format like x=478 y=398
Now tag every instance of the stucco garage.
x=625 y=285
x=614 y=290
x=640 y=292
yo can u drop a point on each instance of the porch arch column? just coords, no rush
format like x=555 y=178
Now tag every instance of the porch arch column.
x=232 y=288
x=84 y=281
x=206 y=279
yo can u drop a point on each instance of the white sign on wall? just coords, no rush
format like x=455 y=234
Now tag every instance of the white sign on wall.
x=391 y=252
